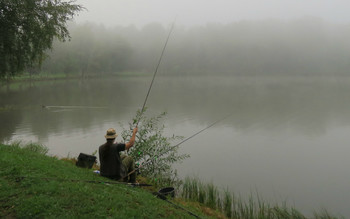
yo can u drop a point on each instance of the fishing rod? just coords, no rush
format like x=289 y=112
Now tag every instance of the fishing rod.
x=225 y=117
x=156 y=70
x=20 y=178
x=163 y=197
x=151 y=158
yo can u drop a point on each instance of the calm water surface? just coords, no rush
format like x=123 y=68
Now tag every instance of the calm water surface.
x=288 y=138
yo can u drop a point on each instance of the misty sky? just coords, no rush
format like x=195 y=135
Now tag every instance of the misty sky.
x=194 y=12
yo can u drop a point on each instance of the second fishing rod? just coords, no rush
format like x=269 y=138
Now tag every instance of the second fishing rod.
x=152 y=158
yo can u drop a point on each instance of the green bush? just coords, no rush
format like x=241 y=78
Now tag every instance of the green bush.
x=152 y=150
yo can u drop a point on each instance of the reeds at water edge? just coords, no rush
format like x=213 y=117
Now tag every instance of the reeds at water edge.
x=236 y=207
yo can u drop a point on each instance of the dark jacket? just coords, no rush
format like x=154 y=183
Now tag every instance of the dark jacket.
x=111 y=164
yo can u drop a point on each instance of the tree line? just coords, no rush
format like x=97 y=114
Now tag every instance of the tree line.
x=32 y=33
x=306 y=46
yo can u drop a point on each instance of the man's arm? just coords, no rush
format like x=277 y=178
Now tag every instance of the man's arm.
x=132 y=139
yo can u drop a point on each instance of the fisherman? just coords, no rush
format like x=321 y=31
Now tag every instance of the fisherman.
x=113 y=165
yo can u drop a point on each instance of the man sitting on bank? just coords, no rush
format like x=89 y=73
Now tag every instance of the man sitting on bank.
x=113 y=165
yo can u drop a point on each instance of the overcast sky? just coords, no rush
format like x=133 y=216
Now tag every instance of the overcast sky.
x=194 y=12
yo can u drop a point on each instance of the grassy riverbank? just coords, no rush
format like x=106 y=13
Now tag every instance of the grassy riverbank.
x=39 y=186
x=35 y=185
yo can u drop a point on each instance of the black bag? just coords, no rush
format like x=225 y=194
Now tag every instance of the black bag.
x=86 y=161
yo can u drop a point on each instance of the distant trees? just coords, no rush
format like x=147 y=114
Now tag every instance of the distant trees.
x=307 y=46
x=92 y=49
x=28 y=28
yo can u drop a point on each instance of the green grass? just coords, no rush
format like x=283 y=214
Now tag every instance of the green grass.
x=33 y=185
x=235 y=207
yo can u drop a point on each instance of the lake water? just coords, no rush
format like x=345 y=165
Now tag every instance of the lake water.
x=288 y=138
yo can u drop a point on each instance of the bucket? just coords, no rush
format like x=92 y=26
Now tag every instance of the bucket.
x=85 y=160
x=167 y=191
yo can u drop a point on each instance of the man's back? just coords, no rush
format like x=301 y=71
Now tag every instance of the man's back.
x=111 y=165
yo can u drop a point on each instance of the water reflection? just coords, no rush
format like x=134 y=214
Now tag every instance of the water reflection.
x=305 y=106
x=302 y=107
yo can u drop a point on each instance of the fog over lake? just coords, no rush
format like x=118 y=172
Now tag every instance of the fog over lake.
x=286 y=139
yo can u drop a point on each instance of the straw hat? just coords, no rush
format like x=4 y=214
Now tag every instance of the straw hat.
x=111 y=134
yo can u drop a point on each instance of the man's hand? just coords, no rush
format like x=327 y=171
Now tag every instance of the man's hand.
x=135 y=130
